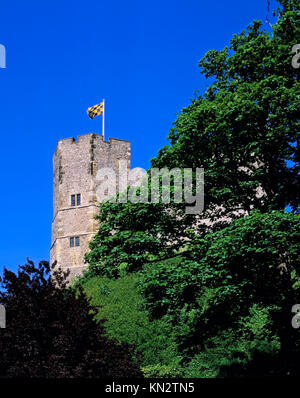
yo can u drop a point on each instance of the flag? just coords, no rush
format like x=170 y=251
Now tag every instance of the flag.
x=95 y=110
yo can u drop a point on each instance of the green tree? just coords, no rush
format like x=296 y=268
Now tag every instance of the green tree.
x=253 y=261
x=131 y=234
x=51 y=332
x=120 y=303
x=243 y=131
x=227 y=285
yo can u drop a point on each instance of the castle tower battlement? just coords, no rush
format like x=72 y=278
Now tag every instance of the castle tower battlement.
x=75 y=165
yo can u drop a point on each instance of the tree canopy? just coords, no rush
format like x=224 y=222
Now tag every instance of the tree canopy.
x=243 y=131
x=51 y=332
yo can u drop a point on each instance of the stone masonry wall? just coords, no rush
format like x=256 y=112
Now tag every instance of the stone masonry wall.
x=75 y=165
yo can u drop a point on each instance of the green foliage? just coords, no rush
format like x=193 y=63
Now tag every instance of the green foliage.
x=245 y=129
x=228 y=354
x=257 y=329
x=130 y=235
x=157 y=371
x=252 y=262
x=219 y=292
x=119 y=302
x=51 y=332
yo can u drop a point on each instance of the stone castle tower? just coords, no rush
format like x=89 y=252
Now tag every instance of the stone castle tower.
x=75 y=165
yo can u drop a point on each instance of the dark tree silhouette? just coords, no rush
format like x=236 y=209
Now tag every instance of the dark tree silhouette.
x=51 y=332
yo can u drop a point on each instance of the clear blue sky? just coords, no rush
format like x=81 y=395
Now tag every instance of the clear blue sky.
x=63 y=56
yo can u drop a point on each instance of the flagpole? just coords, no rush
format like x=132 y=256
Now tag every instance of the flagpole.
x=103 y=118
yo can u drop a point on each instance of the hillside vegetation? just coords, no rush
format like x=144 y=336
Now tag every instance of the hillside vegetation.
x=214 y=299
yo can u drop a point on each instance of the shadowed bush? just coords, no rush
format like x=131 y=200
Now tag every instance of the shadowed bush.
x=51 y=331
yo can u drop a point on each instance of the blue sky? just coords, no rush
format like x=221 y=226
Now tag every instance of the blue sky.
x=63 y=56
